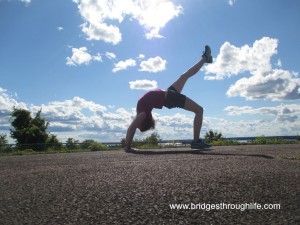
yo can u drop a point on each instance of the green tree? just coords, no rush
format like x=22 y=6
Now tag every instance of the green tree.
x=72 y=144
x=93 y=145
x=154 y=139
x=148 y=142
x=4 y=147
x=96 y=146
x=211 y=136
x=3 y=140
x=53 y=142
x=87 y=143
x=27 y=131
x=123 y=141
x=262 y=140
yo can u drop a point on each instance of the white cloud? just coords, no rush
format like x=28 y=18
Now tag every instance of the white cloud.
x=97 y=57
x=236 y=110
x=153 y=65
x=110 y=55
x=123 y=65
x=256 y=127
x=265 y=82
x=7 y=102
x=25 y=1
x=69 y=118
x=102 y=31
x=231 y=2
x=279 y=63
x=233 y=60
x=155 y=14
x=82 y=119
x=151 y=14
x=141 y=56
x=275 y=85
x=171 y=127
x=278 y=120
x=282 y=113
x=143 y=84
x=81 y=56
x=60 y=28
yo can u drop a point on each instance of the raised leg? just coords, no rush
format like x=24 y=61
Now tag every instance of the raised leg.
x=180 y=82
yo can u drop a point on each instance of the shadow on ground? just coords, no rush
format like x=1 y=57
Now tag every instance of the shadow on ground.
x=195 y=152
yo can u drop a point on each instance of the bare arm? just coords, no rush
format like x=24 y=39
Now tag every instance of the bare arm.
x=132 y=128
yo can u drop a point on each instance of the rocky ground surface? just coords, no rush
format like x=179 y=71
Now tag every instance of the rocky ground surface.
x=138 y=188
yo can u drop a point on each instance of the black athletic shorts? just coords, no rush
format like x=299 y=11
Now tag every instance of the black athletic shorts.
x=174 y=99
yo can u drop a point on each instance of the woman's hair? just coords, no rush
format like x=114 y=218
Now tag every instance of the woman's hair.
x=148 y=123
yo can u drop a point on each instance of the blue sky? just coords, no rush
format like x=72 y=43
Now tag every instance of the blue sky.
x=86 y=63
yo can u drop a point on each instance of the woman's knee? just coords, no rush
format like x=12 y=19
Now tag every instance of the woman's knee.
x=193 y=106
x=199 y=110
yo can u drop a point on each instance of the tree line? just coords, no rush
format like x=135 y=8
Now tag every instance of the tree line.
x=30 y=132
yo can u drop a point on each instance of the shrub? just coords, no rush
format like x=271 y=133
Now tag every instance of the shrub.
x=98 y=147
x=211 y=136
x=151 y=141
x=262 y=140
x=224 y=142
x=4 y=146
x=24 y=152
x=87 y=143
x=72 y=144
x=53 y=143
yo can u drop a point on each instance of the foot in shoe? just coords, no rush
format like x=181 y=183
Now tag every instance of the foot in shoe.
x=207 y=54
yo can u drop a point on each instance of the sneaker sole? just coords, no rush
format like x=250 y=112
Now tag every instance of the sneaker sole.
x=207 y=54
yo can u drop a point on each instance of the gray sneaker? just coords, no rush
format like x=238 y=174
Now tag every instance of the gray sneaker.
x=199 y=144
x=207 y=54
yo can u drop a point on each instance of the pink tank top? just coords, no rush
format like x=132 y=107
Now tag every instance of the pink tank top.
x=150 y=100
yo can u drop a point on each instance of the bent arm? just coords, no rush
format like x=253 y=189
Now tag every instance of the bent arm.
x=132 y=128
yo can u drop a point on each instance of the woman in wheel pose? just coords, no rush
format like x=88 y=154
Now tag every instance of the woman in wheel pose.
x=170 y=98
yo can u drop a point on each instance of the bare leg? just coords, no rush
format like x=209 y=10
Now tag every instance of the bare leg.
x=192 y=106
x=179 y=84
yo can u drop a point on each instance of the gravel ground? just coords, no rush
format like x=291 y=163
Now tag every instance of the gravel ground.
x=137 y=188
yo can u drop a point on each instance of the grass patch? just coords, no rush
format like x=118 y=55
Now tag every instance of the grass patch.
x=224 y=142
x=33 y=152
x=262 y=140
x=91 y=148
x=293 y=157
x=147 y=146
x=24 y=152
